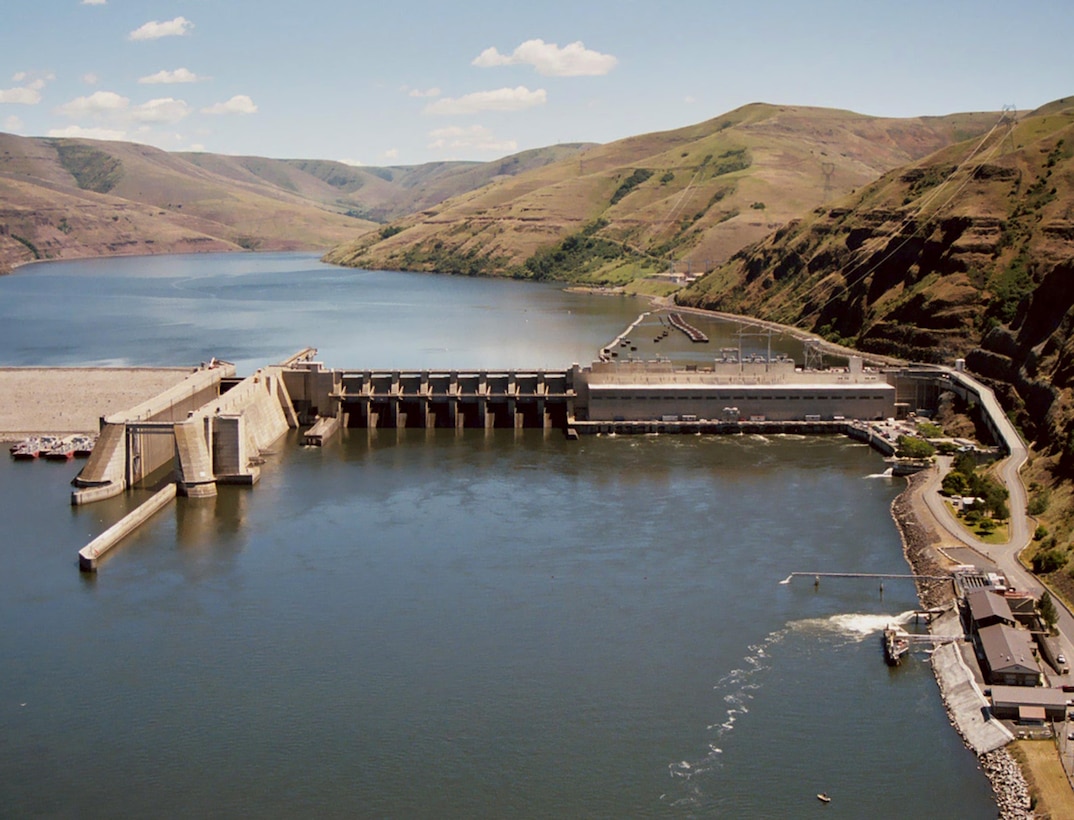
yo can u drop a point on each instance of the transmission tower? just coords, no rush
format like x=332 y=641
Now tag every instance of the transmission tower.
x=1010 y=116
x=760 y=332
x=828 y=169
x=814 y=356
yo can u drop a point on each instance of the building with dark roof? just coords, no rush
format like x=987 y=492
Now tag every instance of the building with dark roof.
x=1008 y=656
x=988 y=609
x=1024 y=703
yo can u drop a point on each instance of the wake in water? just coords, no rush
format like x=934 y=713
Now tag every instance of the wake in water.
x=738 y=685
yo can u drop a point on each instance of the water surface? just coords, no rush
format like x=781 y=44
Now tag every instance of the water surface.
x=424 y=624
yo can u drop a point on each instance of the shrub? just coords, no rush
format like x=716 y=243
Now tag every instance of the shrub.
x=929 y=430
x=1046 y=561
x=1040 y=532
x=1039 y=502
x=630 y=183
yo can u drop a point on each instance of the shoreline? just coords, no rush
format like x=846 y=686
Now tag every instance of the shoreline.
x=920 y=542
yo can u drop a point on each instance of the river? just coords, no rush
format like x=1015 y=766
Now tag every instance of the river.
x=425 y=624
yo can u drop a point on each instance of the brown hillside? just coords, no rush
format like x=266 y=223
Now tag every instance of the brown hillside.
x=694 y=195
x=62 y=198
x=968 y=252
x=69 y=198
x=379 y=194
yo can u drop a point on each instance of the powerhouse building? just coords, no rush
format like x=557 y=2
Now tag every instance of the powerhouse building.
x=769 y=390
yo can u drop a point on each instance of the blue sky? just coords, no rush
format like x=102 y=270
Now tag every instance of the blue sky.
x=409 y=81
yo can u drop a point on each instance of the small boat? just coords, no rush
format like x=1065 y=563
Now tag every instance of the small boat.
x=83 y=445
x=823 y=797
x=26 y=450
x=896 y=644
x=61 y=450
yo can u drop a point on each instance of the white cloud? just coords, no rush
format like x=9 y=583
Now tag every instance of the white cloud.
x=355 y=163
x=501 y=99
x=154 y=30
x=97 y=104
x=94 y=2
x=90 y=78
x=28 y=92
x=20 y=96
x=180 y=75
x=689 y=99
x=474 y=138
x=165 y=110
x=573 y=60
x=13 y=124
x=239 y=104
x=88 y=133
x=115 y=109
x=391 y=153
x=428 y=92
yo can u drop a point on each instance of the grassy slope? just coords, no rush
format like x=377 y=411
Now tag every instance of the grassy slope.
x=701 y=203
x=380 y=194
x=64 y=198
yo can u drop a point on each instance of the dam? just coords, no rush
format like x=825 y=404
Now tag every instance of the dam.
x=213 y=427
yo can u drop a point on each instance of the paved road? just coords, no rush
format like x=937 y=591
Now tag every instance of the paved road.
x=1005 y=556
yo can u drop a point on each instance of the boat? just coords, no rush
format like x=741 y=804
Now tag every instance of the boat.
x=896 y=644
x=26 y=450
x=61 y=450
x=83 y=445
x=823 y=797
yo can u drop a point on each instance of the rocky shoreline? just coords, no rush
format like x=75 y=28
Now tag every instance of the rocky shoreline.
x=919 y=541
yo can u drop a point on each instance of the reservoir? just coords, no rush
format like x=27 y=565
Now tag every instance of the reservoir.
x=422 y=623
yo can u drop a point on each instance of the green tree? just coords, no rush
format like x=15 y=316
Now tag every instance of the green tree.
x=911 y=447
x=1048 y=612
x=954 y=484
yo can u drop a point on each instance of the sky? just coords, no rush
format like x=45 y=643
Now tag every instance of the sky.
x=402 y=82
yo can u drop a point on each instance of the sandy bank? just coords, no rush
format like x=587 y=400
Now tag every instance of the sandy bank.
x=65 y=400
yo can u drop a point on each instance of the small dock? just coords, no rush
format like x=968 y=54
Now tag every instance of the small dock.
x=692 y=333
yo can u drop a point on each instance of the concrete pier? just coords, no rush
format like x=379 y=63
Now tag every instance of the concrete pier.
x=90 y=555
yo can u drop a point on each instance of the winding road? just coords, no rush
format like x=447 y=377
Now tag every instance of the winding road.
x=1004 y=556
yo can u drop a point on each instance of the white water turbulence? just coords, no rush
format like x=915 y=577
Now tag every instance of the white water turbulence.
x=888 y=473
x=739 y=685
x=854 y=627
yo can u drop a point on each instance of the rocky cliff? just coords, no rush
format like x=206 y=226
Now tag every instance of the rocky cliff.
x=966 y=253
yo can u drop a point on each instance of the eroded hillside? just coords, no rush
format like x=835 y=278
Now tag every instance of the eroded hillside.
x=690 y=197
x=969 y=252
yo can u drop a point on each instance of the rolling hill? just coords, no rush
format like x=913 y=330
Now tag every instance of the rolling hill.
x=693 y=196
x=63 y=198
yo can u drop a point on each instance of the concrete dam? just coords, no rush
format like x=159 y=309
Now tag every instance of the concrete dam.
x=215 y=428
